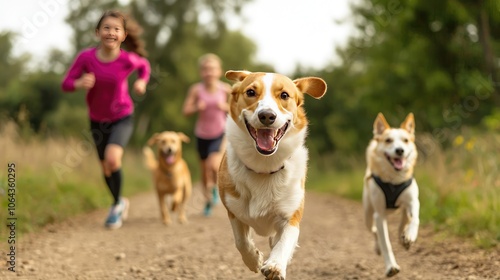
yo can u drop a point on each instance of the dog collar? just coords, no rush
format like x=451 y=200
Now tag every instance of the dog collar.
x=270 y=173
x=391 y=191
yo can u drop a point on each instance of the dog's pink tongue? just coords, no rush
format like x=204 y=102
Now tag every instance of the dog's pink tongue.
x=398 y=163
x=170 y=159
x=265 y=139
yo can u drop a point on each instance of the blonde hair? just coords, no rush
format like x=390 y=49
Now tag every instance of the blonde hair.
x=209 y=57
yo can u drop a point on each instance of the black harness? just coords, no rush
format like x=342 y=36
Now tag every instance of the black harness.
x=391 y=191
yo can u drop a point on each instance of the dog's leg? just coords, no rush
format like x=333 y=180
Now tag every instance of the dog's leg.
x=368 y=211
x=392 y=268
x=409 y=224
x=251 y=256
x=283 y=246
x=163 y=209
x=178 y=205
x=405 y=220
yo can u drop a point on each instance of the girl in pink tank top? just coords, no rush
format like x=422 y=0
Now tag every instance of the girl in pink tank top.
x=212 y=120
x=208 y=98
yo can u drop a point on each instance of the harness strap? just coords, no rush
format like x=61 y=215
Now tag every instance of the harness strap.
x=391 y=191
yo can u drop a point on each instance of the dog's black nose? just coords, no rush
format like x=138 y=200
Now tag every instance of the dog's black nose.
x=267 y=117
x=399 y=151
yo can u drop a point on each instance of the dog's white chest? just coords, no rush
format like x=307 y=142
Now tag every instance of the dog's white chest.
x=266 y=199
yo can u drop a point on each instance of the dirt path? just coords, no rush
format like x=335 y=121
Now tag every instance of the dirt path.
x=333 y=245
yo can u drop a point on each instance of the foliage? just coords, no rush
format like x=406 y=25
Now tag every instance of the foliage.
x=434 y=58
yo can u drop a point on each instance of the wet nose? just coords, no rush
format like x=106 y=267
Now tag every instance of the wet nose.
x=267 y=117
x=399 y=151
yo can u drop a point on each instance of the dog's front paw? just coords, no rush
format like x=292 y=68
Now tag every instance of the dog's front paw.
x=167 y=222
x=392 y=270
x=183 y=220
x=408 y=238
x=253 y=260
x=273 y=271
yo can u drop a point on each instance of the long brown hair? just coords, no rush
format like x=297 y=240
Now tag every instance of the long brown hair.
x=133 y=41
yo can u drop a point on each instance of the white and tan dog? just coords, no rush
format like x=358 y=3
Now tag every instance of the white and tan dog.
x=389 y=184
x=263 y=172
x=170 y=172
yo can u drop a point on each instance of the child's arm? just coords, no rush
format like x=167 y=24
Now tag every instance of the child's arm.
x=191 y=103
x=74 y=78
x=143 y=73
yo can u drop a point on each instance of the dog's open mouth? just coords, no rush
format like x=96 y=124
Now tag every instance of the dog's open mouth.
x=168 y=157
x=397 y=162
x=267 y=139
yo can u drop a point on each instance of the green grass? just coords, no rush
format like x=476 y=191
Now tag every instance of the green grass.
x=51 y=187
x=347 y=184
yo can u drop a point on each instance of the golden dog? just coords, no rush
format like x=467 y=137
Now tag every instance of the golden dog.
x=170 y=172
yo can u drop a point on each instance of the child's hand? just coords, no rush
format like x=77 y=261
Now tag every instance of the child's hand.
x=86 y=81
x=201 y=105
x=140 y=86
x=223 y=106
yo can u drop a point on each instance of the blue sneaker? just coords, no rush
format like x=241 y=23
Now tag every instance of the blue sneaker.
x=117 y=214
x=215 y=195
x=208 y=209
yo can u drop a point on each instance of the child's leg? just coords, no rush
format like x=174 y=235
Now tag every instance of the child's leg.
x=120 y=133
x=112 y=164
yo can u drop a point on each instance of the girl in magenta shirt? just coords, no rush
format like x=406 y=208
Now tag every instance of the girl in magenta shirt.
x=103 y=72
x=208 y=98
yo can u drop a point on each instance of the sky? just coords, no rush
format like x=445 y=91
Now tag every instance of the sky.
x=310 y=29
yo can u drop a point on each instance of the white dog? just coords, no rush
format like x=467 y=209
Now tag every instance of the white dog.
x=263 y=172
x=389 y=184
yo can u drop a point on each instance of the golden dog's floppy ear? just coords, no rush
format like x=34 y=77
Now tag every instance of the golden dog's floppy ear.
x=237 y=76
x=380 y=125
x=409 y=124
x=152 y=140
x=183 y=137
x=315 y=87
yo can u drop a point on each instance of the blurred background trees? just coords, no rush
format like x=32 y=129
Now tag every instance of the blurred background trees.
x=438 y=59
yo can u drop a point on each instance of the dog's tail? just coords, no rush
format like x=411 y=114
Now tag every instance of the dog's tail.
x=149 y=158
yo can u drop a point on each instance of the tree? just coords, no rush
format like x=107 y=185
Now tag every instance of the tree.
x=433 y=58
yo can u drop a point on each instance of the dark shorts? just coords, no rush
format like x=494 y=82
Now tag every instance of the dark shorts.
x=207 y=146
x=117 y=132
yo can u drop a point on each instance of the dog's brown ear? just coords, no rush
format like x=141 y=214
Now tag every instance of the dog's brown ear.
x=237 y=76
x=315 y=87
x=183 y=137
x=380 y=124
x=152 y=140
x=409 y=124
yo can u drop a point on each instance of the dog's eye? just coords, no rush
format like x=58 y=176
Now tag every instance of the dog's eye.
x=250 y=93
x=388 y=140
x=405 y=140
x=284 y=95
